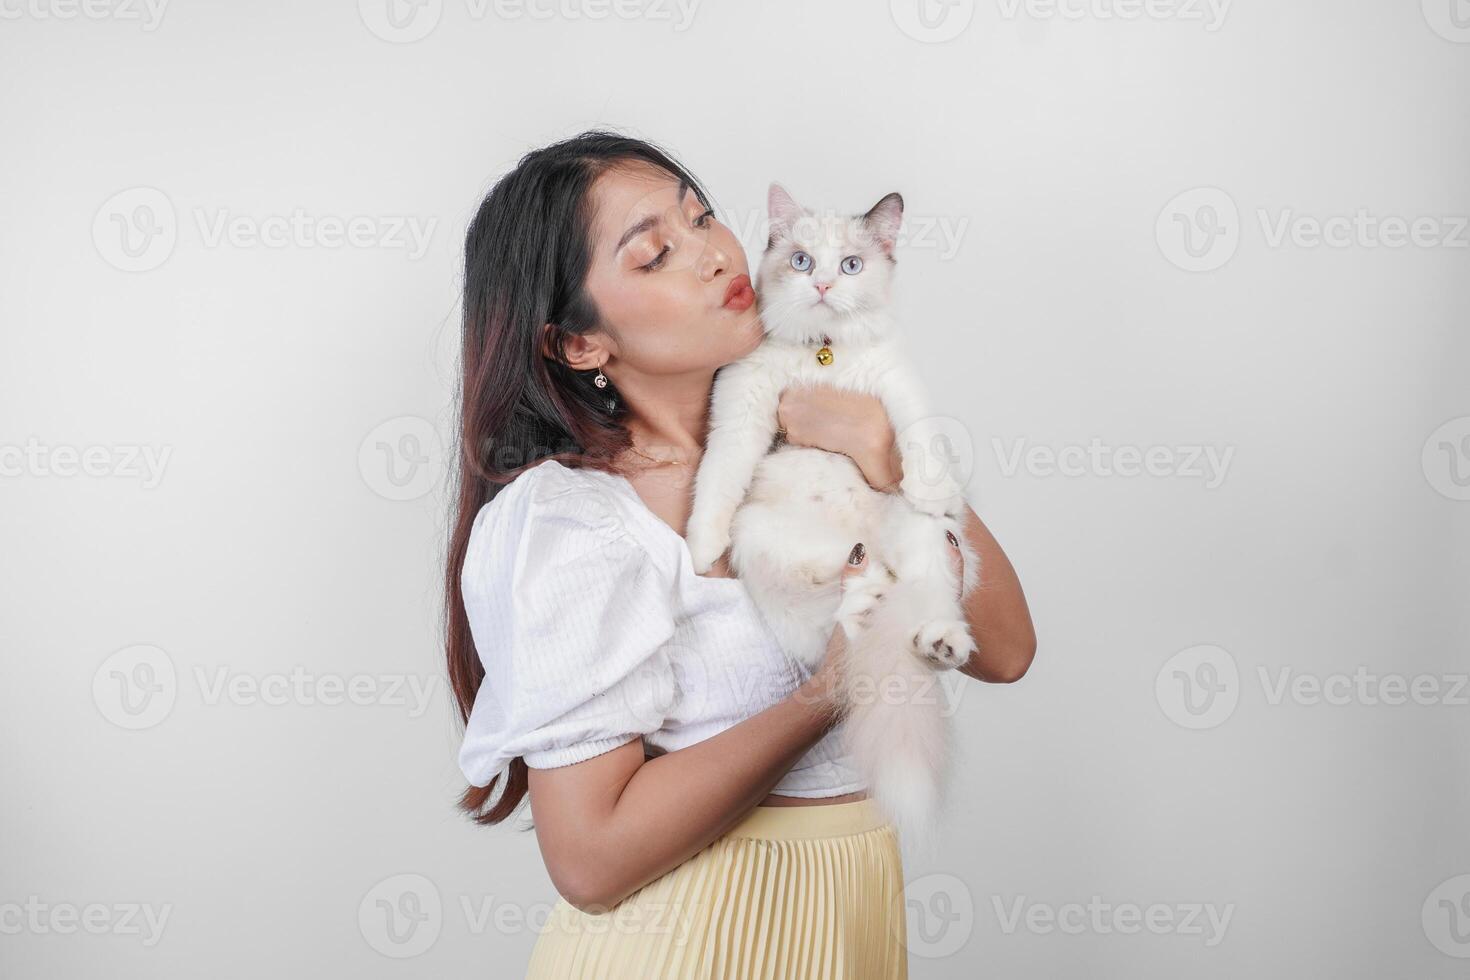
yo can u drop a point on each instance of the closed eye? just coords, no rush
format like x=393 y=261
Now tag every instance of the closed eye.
x=700 y=221
x=657 y=260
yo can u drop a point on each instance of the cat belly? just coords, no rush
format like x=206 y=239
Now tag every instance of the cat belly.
x=805 y=510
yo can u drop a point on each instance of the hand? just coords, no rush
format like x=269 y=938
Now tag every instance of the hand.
x=846 y=422
x=957 y=559
x=825 y=688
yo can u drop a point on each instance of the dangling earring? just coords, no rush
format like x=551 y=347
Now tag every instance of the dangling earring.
x=601 y=379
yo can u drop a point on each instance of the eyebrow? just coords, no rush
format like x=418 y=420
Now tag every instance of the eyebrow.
x=647 y=222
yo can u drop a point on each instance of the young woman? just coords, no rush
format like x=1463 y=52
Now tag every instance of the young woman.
x=692 y=802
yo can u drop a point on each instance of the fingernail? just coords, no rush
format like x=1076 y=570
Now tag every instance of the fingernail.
x=857 y=554
x=952 y=539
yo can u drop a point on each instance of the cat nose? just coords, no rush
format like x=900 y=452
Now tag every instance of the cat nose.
x=822 y=288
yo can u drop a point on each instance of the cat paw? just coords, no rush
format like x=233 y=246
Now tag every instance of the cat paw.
x=860 y=597
x=944 y=644
x=705 y=548
x=937 y=500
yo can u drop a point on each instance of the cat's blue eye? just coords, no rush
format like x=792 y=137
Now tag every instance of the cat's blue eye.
x=852 y=265
x=801 y=262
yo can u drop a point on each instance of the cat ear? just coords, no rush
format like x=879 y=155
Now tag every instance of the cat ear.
x=783 y=210
x=883 y=219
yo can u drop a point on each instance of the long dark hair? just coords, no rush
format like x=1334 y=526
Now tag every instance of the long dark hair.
x=525 y=265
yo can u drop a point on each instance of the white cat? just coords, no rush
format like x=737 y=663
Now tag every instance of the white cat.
x=790 y=516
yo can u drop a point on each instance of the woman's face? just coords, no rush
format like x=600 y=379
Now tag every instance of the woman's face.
x=662 y=270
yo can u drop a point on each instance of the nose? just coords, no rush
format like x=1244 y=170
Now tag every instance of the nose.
x=712 y=262
x=822 y=288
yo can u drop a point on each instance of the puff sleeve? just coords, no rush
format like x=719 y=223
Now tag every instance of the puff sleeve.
x=570 y=616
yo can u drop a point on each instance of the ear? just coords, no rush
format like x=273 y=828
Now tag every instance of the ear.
x=783 y=210
x=883 y=219
x=580 y=352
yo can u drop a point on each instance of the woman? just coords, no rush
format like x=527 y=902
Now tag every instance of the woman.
x=692 y=803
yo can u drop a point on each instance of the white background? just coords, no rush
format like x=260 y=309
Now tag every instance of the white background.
x=1055 y=144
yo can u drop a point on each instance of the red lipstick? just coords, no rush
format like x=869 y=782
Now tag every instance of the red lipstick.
x=739 y=295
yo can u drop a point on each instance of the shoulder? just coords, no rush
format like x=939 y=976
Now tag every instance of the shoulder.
x=556 y=511
x=551 y=488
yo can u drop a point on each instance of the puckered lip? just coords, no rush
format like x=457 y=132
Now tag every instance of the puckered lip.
x=737 y=286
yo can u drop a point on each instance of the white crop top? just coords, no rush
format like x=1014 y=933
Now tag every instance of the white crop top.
x=594 y=629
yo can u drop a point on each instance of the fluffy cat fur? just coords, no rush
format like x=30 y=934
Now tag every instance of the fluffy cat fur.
x=789 y=516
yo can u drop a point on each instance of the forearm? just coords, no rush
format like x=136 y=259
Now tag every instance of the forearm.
x=677 y=804
x=996 y=609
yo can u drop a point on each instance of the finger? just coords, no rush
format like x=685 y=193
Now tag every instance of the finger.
x=857 y=560
x=957 y=559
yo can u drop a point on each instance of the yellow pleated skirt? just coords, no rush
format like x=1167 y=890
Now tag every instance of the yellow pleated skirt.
x=791 y=893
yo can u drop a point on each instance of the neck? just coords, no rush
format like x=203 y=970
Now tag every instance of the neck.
x=668 y=413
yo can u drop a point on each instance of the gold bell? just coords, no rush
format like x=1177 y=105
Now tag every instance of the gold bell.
x=824 y=356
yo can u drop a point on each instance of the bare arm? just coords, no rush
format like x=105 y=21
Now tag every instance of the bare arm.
x=1000 y=620
x=857 y=425
x=612 y=824
x=996 y=609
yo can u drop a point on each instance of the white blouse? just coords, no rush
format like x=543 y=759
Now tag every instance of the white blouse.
x=594 y=630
